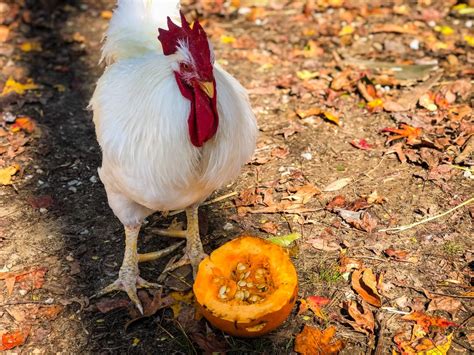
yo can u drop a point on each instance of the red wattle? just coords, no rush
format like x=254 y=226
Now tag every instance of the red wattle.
x=203 y=119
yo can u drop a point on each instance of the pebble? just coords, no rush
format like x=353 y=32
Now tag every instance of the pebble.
x=307 y=155
x=415 y=44
x=93 y=179
x=228 y=226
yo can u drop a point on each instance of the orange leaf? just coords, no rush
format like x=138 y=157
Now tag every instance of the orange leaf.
x=23 y=123
x=315 y=303
x=13 y=339
x=365 y=284
x=316 y=111
x=426 y=321
x=10 y=284
x=363 y=317
x=405 y=131
x=312 y=341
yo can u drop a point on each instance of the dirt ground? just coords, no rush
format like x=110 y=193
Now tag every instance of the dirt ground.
x=324 y=95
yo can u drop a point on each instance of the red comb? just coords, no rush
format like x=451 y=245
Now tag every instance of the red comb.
x=195 y=37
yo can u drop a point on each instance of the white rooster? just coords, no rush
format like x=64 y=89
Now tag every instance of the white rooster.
x=172 y=124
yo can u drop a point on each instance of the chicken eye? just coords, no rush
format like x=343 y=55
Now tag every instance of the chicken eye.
x=185 y=66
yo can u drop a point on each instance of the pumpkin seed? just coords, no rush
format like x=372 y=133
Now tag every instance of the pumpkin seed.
x=242 y=276
x=260 y=271
x=241 y=266
x=242 y=283
x=223 y=290
x=254 y=298
x=249 y=284
x=239 y=295
x=246 y=294
x=247 y=274
x=261 y=286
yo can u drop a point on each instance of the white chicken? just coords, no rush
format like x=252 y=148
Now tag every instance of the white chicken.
x=172 y=124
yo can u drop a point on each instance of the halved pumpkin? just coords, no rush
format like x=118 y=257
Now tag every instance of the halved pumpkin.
x=247 y=287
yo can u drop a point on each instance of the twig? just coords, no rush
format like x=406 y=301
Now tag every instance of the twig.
x=453 y=296
x=210 y=202
x=409 y=226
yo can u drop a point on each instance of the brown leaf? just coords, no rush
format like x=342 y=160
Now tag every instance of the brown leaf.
x=363 y=317
x=304 y=194
x=443 y=303
x=44 y=201
x=4 y=32
x=365 y=284
x=312 y=341
x=397 y=149
x=347 y=264
x=361 y=220
x=408 y=100
x=323 y=244
x=109 y=304
x=34 y=275
x=269 y=227
x=209 y=343
x=337 y=202
x=337 y=185
x=280 y=152
x=396 y=254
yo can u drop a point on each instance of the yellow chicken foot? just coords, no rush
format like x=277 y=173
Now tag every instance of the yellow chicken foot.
x=194 y=252
x=129 y=279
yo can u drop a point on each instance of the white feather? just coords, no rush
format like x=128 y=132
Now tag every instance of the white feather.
x=133 y=28
x=149 y=162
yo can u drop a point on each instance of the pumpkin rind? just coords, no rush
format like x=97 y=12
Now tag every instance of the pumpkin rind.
x=237 y=317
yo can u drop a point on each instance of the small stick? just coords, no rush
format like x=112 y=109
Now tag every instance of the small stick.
x=210 y=202
x=409 y=226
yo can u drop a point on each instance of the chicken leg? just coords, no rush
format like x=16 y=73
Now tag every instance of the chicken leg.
x=129 y=279
x=194 y=252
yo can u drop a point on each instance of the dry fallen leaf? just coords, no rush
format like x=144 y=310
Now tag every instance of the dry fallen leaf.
x=31 y=46
x=269 y=227
x=13 y=86
x=33 y=277
x=23 y=123
x=7 y=173
x=361 y=144
x=13 y=339
x=315 y=303
x=361 y=220
x=316 y=111
x=444 y=303
x=405 y=131
x=363 y=318
x=337 y=185
x=365 y=284
x=426 y=321
x=304 y=194
x=312 y=341
x=409 y=99
x=106 y=14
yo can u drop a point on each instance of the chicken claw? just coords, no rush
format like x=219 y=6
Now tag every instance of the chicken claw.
x=129 y=283
x=129 y=279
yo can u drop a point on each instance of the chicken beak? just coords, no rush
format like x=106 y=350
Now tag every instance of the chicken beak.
x=207 y=87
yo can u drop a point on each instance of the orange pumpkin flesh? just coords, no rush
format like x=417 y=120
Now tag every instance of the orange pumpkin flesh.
x=247 y=287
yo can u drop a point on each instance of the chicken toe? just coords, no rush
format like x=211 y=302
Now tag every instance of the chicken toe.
x=129 y=279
